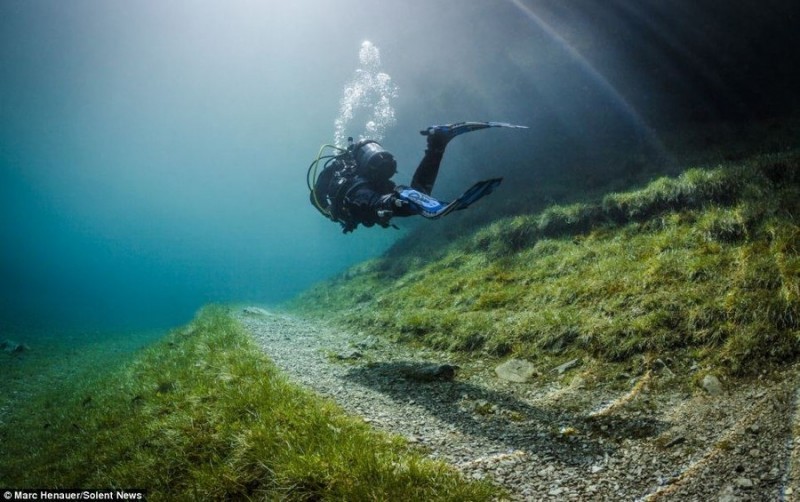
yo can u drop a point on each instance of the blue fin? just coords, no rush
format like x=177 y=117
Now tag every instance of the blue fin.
x=432 y=208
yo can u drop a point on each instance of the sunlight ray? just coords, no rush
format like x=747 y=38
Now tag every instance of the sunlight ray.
x=648 y=133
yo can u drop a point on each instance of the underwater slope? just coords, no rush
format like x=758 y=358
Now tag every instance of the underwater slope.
x=706 y=264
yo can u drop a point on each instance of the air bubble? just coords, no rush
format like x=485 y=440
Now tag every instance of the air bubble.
x=366 y=98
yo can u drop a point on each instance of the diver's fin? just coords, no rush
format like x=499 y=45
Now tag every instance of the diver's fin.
x=423 y=204
x=432 y=208
x=453 y=130
x=476 y=192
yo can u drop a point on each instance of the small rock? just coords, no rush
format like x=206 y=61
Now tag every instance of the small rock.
x=515 y=370
x=255 y=311
x=754 y=429
x=660 y=366
x=368 y=343
x=350 y=355
x=744 y=483
x=577 y=383
x=430 y=372
x=674 y=441
x=566 y=366
x=568 y=431
x=10 y=347
x=712 y=385
x=727 y=495
x=596 y=468
x=546 y=471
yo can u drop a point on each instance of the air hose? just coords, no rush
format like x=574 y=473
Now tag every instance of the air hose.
x=311 y=175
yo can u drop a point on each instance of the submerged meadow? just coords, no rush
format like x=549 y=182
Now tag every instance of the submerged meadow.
x=204 y=415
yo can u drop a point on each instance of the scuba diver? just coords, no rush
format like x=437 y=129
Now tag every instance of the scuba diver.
x=355 y=185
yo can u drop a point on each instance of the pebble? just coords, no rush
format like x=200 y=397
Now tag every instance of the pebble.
x=566 y=366
x=349 y=355
x=728 y=494
x=546 y=471
x=712 y=385
x=515 y=370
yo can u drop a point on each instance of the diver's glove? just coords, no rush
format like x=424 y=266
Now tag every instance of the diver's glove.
x=348 y=227
x=393 y=205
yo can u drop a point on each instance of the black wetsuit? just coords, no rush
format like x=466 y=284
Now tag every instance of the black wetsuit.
x=354 y=200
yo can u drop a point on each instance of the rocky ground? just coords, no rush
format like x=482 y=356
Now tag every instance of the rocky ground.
x=560 y=436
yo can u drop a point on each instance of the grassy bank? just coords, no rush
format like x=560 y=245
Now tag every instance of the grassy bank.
x=203 y=415
x=704 y=265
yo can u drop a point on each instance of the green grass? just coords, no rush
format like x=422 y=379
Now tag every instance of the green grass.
x=204 y=415
x=705 y=264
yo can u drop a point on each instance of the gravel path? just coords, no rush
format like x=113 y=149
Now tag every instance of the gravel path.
x=563 y=440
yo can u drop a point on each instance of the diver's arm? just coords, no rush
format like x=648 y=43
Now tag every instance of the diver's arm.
x=370 y=207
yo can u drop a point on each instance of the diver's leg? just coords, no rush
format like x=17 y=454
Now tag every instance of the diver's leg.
x=428 y=169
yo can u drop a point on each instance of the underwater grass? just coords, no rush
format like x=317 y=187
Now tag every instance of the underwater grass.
x=204 y=415
x=706 y=263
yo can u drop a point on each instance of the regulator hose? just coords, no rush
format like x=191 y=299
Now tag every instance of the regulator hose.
x=311 y=174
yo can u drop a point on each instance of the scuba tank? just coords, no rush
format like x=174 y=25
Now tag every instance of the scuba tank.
x=372 y=161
